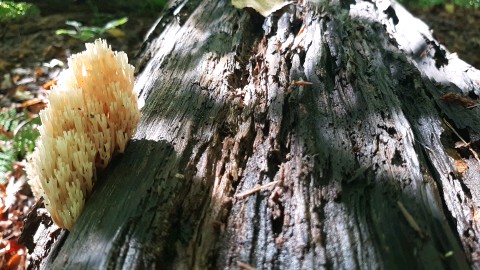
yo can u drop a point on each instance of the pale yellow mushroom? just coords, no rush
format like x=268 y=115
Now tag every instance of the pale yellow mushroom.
x=92 y=114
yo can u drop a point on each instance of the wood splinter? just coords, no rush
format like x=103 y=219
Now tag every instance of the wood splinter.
x=246 y=266
x=300 y=83
x=411 y=221
x=257 y=188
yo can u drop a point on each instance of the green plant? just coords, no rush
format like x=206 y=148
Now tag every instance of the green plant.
x=156 y=3
x=86 y=33
x=430 y=3
x=6 y=163
x=468 y=3
x=17 y=137
x=11 y=11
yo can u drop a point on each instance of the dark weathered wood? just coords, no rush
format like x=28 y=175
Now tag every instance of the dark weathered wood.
x=363 y=161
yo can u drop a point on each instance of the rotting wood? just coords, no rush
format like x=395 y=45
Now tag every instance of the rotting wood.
x=367 y=132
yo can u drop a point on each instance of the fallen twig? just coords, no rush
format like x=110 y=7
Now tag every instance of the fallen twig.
x=243 y=265
x=473 y=106
x=300 y=83
x=254 y=190
x=411 y=221
x=463 y=141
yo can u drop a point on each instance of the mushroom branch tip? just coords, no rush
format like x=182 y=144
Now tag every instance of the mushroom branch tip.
x=92 y=114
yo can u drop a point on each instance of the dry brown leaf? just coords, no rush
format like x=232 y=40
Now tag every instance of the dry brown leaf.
x=454 y=98
x=49 y=84
x=30 y=102
x=461 y=166
x=39 y=72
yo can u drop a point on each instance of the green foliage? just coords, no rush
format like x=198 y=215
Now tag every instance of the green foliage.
x=6 y=163
x=24 y=133
x=157 y=3
x=467 y=3
x=431 y=3
x=11 y=11
x=86 y=33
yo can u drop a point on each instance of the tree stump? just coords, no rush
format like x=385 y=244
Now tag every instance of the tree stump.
x=327 y=135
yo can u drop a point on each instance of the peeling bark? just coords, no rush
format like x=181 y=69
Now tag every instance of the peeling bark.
x=338 y=104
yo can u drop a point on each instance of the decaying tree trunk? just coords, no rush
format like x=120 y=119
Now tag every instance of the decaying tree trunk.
x=336 y=111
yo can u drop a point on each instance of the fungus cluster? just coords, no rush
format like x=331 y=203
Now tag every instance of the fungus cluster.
x=92 y=114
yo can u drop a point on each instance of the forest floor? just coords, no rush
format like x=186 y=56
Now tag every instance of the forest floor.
x=457 y=30
x=32 y=56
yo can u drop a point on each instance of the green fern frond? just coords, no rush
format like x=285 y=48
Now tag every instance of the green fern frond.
x=24 y=138
x=9 y=120
x=25 y=134
x=6 y=164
